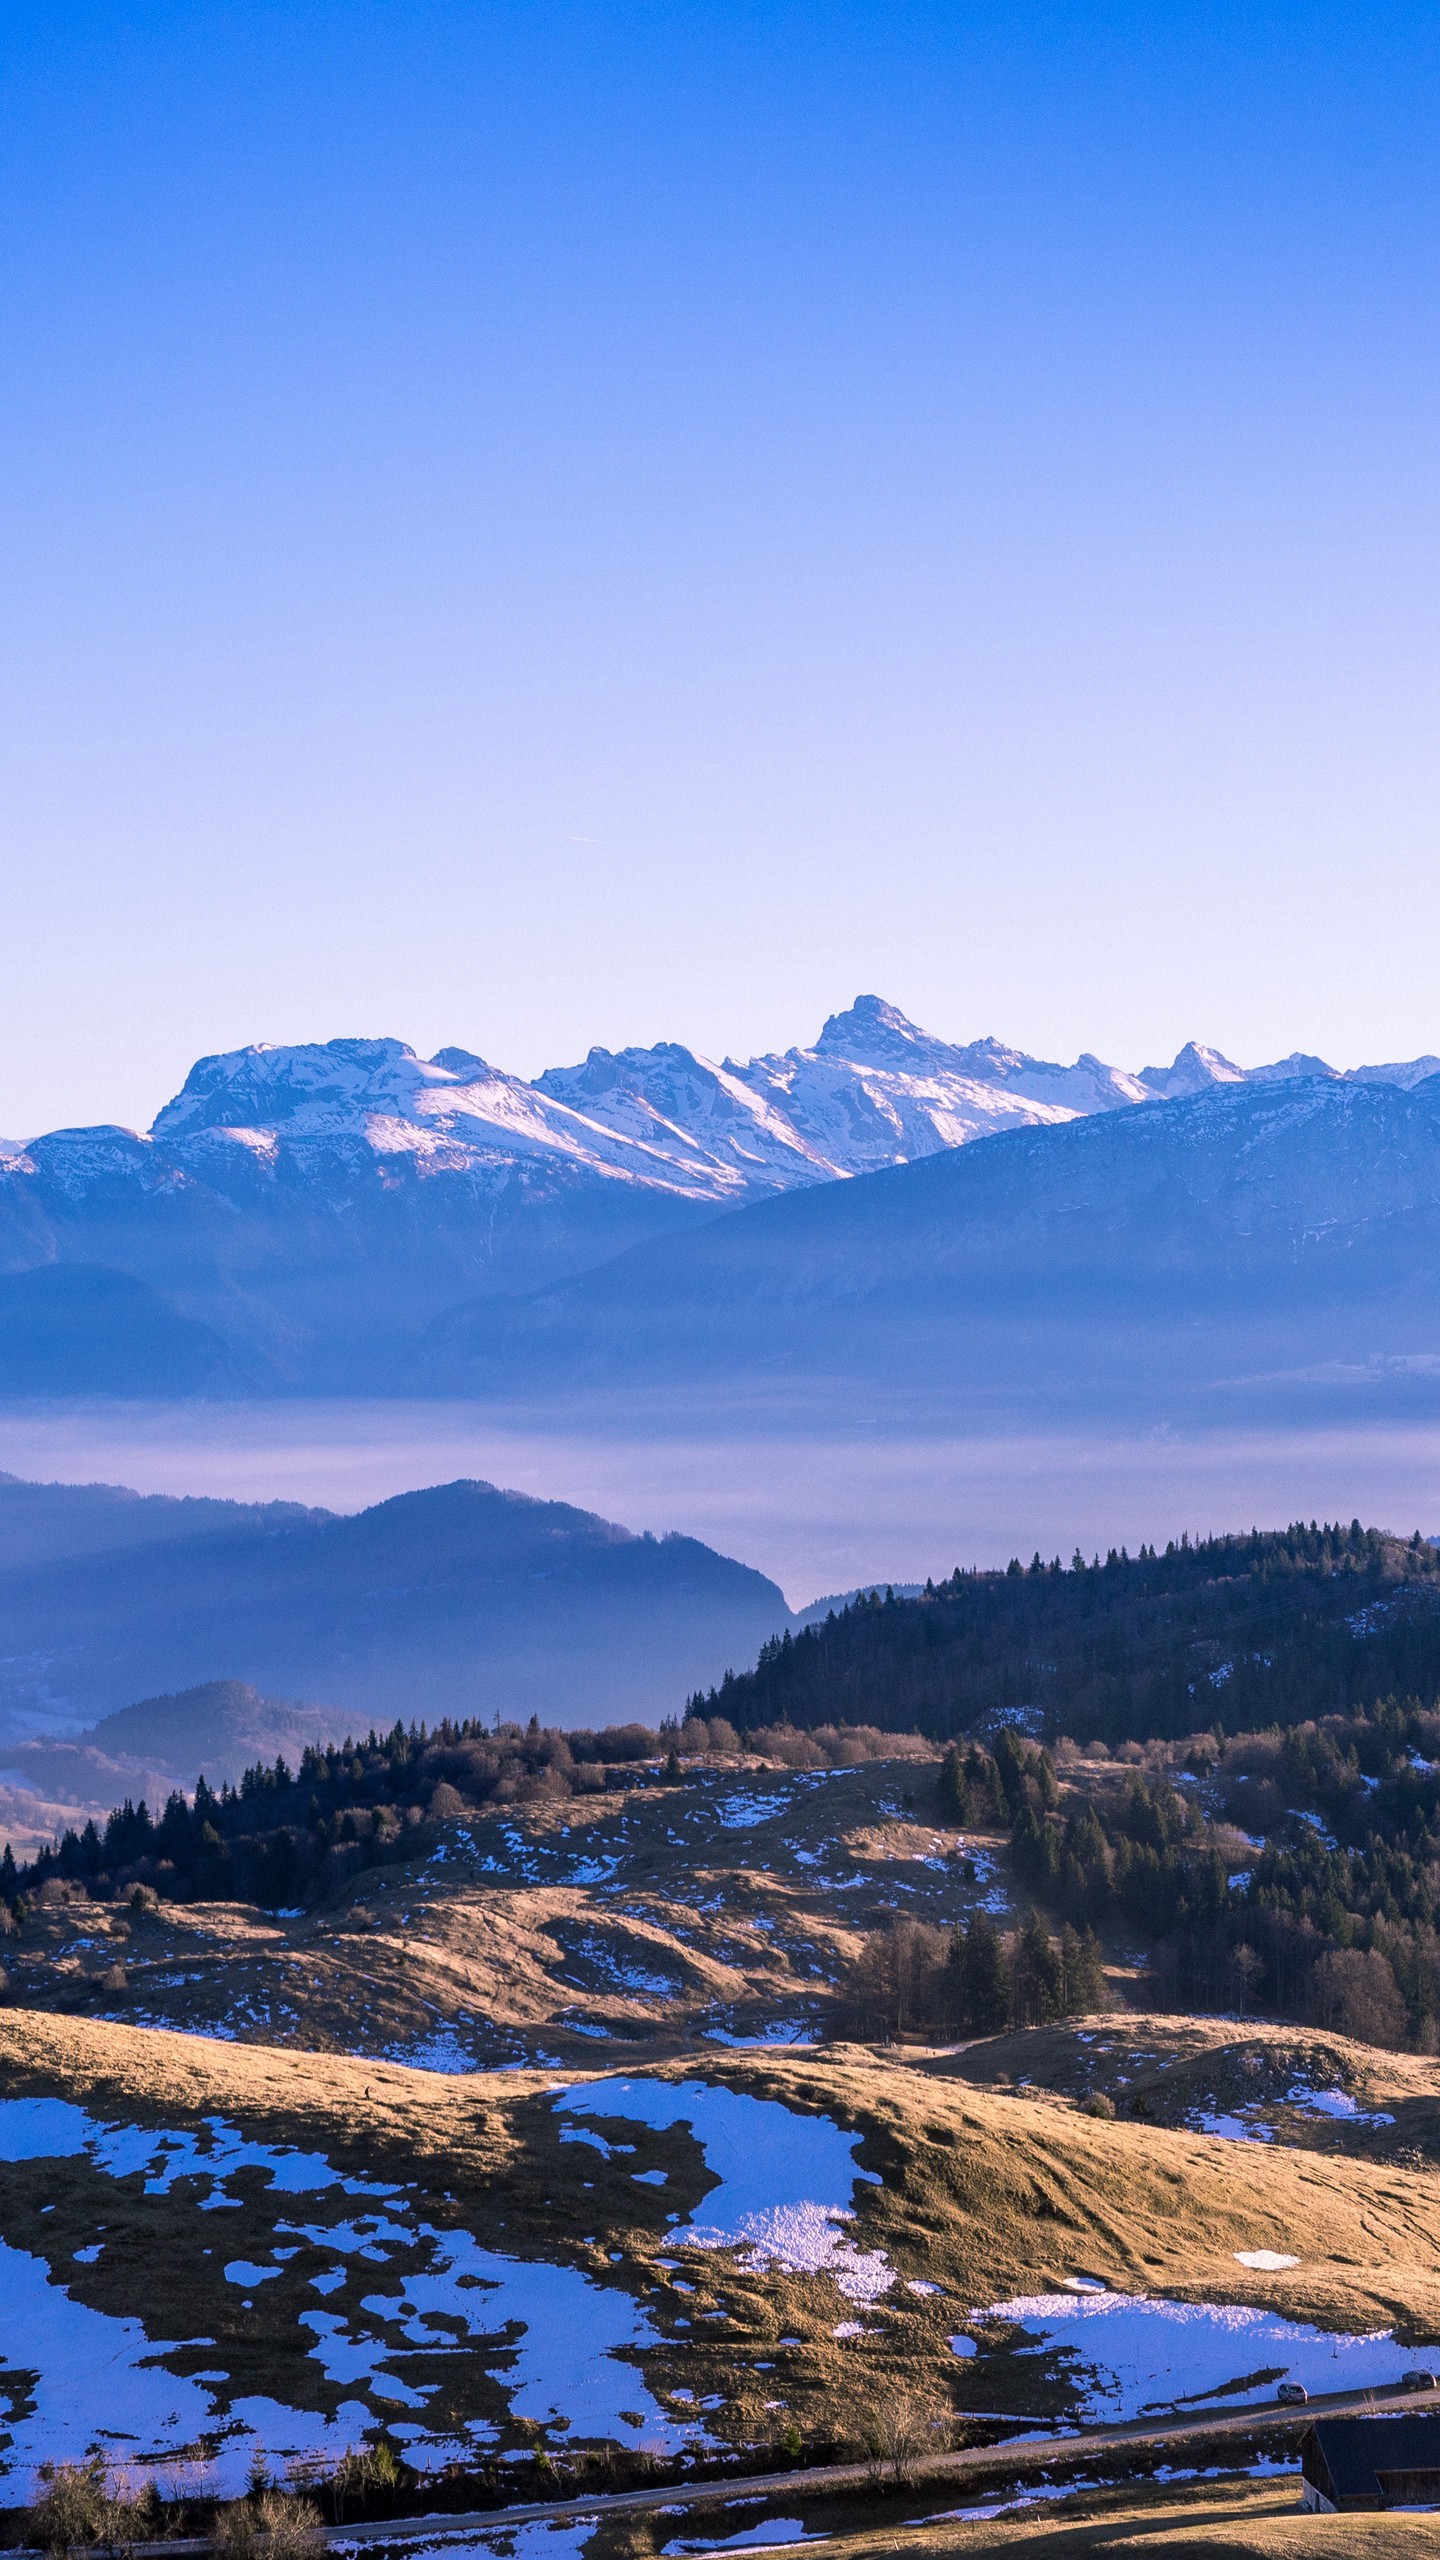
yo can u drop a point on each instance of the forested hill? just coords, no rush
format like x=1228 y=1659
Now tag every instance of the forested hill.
x=1245 y=1632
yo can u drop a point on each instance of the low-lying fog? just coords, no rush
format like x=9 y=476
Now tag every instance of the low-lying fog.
x=893 y=1498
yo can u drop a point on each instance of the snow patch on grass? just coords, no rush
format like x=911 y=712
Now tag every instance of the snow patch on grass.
x=768 y=2536
x=1336 y=2103
x=785 y=2183
x=1131 y=2355
x=560 y=2346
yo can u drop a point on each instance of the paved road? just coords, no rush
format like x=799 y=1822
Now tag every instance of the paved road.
x=1015 y=2460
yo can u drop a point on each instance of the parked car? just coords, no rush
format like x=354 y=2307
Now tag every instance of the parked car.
x=1417 y=2379
x=1292 y=2393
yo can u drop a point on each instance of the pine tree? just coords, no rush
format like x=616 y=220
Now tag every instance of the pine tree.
x=1035 y=1975
x=1010 y=1770
x=952 y=1791
x=987 y=1999
x=952 y=1989
x=1082 y=1975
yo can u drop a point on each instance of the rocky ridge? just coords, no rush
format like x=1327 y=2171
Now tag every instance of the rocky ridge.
x=297 y=1217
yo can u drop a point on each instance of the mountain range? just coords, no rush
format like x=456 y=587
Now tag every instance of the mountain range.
x=349 y=1217
x=460 y=1600
x=1249 y=1251
x=298 y=1216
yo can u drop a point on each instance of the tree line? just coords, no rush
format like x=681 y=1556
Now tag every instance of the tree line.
x=287 y=1839
x=1275 y=1626
x=283 y=1838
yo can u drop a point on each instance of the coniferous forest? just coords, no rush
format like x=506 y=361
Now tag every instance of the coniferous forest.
x=1258 y=1721
x=1270 y=1628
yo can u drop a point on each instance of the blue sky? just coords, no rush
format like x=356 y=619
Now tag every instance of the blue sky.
x=534 y=525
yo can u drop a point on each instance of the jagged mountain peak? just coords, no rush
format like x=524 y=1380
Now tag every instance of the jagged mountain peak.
x=462 y=1063
x=270 y=1082
x=1194 y=1070
x=873 y=1033
x=614 y=1070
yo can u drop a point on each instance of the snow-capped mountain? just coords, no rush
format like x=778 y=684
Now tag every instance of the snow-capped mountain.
x=314 y=1205
x=448 y=1112
x=1254 y=1248
x=873 y=1090
x=877 y=1090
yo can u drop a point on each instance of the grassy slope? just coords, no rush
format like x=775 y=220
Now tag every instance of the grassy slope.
x=686 y=1918
x=986 y=2195
x=1162 y=2068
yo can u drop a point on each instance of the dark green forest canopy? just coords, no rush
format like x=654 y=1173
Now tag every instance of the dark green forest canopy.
x=291 y=1836
x=1269 y=1628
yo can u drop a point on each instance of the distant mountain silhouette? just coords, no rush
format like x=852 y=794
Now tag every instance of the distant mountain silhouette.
x=458 y=1600
x=223 y=1727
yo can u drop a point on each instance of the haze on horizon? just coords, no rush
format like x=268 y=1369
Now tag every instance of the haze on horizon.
x=592 y=525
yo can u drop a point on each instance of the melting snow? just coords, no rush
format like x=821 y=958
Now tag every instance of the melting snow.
x=779 y=2031
x=53 y=2129
x=441 y=2051
x=755 y=2537
x=742 y=1812
x=786 y=2181
x=540 y=2539
x=1333 y=2102
x=79 y=2378
x=1130 y=2354
x=561 y=2342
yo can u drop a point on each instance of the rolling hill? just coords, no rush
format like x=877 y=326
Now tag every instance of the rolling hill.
x=507 y=2276
x=1263 y=1629
x=142 y=1752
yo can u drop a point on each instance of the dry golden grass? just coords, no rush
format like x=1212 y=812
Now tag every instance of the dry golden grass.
x=1165 y=2068
x=1219 y=2520
x=985 y=2195
x=673 y=1931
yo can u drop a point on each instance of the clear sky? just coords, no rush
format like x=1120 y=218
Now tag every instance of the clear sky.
x=529 y=525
